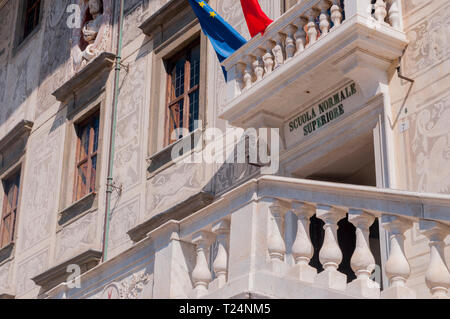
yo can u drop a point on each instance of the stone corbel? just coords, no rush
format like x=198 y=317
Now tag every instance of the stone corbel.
x=368 y=71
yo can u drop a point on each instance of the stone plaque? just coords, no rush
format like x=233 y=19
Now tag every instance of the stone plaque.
x=329 y=110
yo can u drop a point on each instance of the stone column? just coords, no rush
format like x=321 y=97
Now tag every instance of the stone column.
x=362 y=261
x=330 y=254
x=220 y=265
x=275 y=242
x=311 y=26
x=300 y=35
x=302 y=249
x=437 y=276
x=397 y=267
x=290 y=44
x=201 y=275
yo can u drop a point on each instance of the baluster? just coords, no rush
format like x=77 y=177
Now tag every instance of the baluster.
x=220 y=265
x=278 y=50
x=247 y=73
x=394 y=14
x=336 y=14
x=290 y=44
x=302 y=249
x=380 y=10
x=311 y=26
x=330 y=254
x=437 y=276
x=362 y=261
x=276 y=245
x=324 y=19
x=240 y=78
x=235 y=78
x=268 y=59
x=258 y=68
x=201 y=275
x=397 y=268
x=300 y=35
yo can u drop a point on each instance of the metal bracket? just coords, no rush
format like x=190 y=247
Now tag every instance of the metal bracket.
x=125 y=66
x=399 y=69
x=117 y=187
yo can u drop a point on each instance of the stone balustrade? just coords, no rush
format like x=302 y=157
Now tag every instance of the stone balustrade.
x=256 y=241
x=295 y=32
x=249 y=226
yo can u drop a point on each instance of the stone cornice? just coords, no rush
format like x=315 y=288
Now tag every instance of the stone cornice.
x=104 y=62
x=58 y=273
x=165 y=13
x=23 y=128
x=177 y=212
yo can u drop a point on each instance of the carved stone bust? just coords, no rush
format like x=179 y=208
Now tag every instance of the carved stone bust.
x=93 y=38
x=91 y=28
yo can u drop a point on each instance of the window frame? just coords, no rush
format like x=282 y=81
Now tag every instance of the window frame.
x=13 y=178
x=26 y=17
x=80 y=108
x=20 y=39
x=87 y=122
x=185 y=97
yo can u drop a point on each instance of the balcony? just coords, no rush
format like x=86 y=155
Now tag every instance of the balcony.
x=314 y=48
x=257 y=251
x=256 y=241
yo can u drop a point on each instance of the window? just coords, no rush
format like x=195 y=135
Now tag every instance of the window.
x=86 y=160
x=183 y=92
x=11 y=187
x=31 y=16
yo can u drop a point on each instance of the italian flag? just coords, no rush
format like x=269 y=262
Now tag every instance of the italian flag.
x=257 y=20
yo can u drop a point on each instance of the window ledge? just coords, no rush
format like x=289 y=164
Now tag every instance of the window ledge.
x=58 y=274
x=103 y=62
x=164 y=14
x=13 y=144
x=77 y=210
x=6 y=253
x=162 y=160
x=177 y=212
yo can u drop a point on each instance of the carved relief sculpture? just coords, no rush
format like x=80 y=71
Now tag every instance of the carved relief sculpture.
x=93 y=37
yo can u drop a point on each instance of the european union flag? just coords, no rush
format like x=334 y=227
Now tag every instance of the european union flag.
x=224 y=38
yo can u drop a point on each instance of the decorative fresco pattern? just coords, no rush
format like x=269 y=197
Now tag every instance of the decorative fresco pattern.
x=429 y=42
x=56 y=48
x=128 y=156
x=40 y=192
x=431 y=147
x=123 y=219
x=28 y=269
x=76 y=237
x=173 y=185
x=5 y=274
x=410 y=5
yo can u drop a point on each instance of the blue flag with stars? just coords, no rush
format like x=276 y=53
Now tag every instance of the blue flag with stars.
x=224 y=38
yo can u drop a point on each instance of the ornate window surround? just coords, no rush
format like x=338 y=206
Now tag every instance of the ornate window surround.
x=70 y=209
x=83 y=95
x=19 y=41
x=168 y=42
x=12 y=158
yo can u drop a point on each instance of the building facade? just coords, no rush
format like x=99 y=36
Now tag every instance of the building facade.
x=121 y=166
